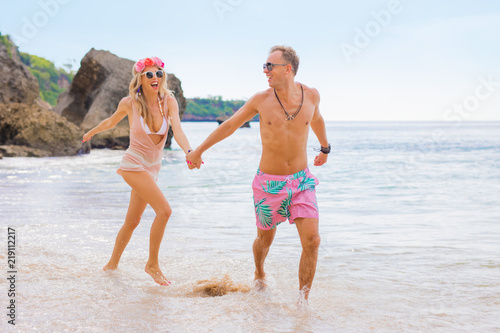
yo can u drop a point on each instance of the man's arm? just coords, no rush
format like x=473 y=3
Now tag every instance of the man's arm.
x=319 y=128
x=244 y=114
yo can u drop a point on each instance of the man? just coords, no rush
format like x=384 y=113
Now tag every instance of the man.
x=283 y=187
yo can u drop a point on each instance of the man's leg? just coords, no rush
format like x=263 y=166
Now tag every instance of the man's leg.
x=309 y=238
x=261 y=247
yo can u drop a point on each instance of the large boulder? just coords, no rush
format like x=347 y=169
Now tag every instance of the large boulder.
x=31 y=130
x=17 y=84
x=97 y=88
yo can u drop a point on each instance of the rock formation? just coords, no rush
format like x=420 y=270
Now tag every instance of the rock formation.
x=97 y=88
x=31 y=130
x=27 y=126
x=17 y=84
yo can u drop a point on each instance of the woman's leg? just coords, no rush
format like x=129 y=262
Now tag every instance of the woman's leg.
x=135 y=209
x=147 y=190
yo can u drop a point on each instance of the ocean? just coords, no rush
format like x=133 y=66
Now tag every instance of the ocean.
x=409 y=221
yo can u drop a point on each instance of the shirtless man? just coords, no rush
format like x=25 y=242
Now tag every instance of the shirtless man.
x=283 y=187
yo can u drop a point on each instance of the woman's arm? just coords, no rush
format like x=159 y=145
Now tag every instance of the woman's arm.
x=175 y=122
x=124 y=107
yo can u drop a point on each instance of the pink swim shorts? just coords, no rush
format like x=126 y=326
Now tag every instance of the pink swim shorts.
x=280 y=197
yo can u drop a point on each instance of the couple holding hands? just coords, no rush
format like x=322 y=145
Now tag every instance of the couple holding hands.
x=283 y=187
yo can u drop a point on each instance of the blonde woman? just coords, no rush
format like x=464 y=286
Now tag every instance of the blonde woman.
x=149 y=107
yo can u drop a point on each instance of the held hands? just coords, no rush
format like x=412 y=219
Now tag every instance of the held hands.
x=191 y=166
x=193 y=160
x=320 y=159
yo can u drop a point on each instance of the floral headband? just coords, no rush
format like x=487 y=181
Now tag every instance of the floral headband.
x=141 y=64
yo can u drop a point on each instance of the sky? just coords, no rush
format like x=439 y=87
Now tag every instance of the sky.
x=372 y=60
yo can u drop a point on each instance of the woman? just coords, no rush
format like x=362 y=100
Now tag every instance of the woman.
x=149 y=107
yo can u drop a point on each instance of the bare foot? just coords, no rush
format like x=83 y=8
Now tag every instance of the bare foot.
x=303 y=298
x=110 y=267
x=260 y=282
x=157 y=275
x=303 y=306
x=260 y=285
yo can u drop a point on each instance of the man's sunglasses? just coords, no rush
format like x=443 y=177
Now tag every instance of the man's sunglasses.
x=149 y=75
x=270 y=65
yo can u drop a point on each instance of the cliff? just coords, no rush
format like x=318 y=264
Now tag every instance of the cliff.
x=17 y=84
x=27 y=126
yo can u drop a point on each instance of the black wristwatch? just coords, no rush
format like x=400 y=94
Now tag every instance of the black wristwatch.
x=326 y=150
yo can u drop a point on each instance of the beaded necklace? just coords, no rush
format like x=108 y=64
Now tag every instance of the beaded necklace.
x=159 y=105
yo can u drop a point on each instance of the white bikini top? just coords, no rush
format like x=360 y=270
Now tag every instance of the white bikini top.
x=162 y=130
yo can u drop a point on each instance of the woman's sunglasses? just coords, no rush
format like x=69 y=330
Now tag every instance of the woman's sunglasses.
x=149 y=75
x=270 y=65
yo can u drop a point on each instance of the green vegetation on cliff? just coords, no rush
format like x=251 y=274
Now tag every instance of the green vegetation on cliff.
x=51 y=80
x=7 y=42
x=208 y=109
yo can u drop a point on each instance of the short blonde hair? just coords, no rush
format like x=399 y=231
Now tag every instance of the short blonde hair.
x=289 y=55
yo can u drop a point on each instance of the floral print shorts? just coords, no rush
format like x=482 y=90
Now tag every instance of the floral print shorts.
x=279 y=197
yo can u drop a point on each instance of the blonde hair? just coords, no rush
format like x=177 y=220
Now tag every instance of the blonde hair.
x=135 y=91
x=289 y=55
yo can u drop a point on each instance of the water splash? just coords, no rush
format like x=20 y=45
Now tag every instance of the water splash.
x=219 y=287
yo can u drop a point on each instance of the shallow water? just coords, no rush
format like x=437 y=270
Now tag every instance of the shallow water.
x=409 y=218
